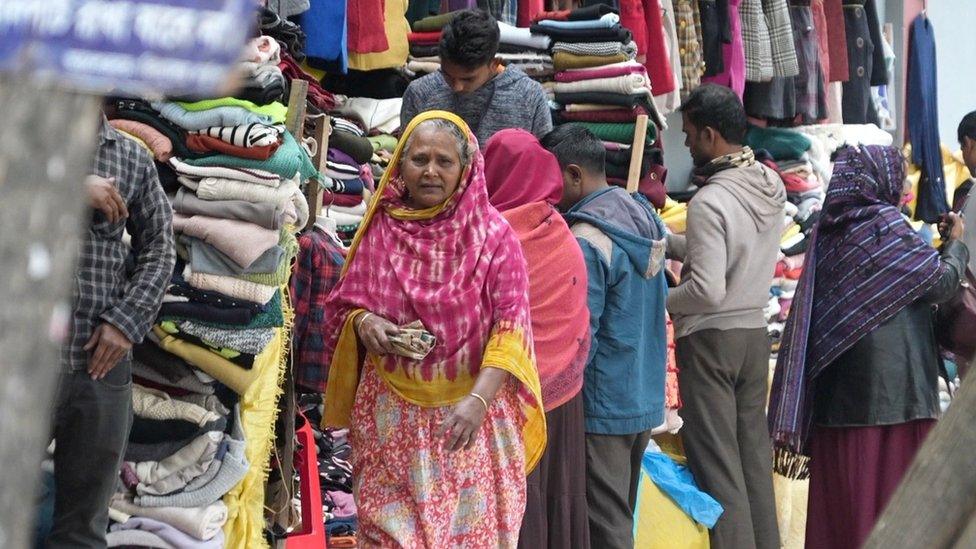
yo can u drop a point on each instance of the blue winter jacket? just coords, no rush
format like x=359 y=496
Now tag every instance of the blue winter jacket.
x=623 y=243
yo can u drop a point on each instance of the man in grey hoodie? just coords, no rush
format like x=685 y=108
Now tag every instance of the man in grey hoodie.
x=729 y=254
x=623 y=244
x=473 y=85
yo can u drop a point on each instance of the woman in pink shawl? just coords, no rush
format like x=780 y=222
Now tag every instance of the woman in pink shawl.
x=443 y=435
x=525 y=183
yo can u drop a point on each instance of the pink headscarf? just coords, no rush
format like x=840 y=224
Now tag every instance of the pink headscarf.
x=459 y=270
x=524 y=182
x=519 y=171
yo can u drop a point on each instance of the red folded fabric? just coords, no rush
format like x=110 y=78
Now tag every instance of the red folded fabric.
x=205 y=143
x=615 y=115
x=528 y=10
x=317 y=95
x=424 y=38
x=561 y=15
x=651 y=186
x=607 y=71
x=330 y=198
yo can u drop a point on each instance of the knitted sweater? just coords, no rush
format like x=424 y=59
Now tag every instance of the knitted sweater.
x=510 y=100
x=233 y=467
x=173 y=473
x=155 y=404
x=288 y=160
x=202 y=523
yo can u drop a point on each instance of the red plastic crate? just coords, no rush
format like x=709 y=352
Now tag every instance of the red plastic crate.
x=312 y=535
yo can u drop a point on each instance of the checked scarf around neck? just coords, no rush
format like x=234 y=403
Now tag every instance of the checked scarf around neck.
x=864 y=266
x=740 y=159
x=457 y=268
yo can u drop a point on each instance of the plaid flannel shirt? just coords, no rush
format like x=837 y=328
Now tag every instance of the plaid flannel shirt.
x=106 y=287
x=316 y=273
x=689 y=34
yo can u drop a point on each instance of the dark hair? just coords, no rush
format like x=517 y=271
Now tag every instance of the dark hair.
x=470 y=39
x=719 y=108
x=574 y=144
x=967 y=128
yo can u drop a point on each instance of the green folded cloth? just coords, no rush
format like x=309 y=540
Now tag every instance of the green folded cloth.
x=618 y=132
x=288 y=160
x=782 y=143
x=433 y=23
x=383 y=142
x=279 y=277
x=275 y=110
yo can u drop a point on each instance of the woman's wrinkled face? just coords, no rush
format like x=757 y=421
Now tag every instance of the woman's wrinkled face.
x=431 y=169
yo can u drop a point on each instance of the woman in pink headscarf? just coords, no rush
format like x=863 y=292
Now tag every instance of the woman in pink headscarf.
x=525 y=184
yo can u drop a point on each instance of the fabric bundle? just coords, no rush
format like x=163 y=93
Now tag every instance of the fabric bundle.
x=599 y=85
x=523 y=38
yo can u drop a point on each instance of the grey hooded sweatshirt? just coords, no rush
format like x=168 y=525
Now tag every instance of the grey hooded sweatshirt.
x=729 y=251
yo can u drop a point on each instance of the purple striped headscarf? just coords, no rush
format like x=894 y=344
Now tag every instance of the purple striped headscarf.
x=864 y=265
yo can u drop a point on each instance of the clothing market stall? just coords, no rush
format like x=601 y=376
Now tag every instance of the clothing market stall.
x=269 y=187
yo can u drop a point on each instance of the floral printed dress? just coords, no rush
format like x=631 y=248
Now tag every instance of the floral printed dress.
x=412 y=493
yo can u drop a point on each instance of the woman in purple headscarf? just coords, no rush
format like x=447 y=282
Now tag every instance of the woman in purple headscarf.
x=856 y=384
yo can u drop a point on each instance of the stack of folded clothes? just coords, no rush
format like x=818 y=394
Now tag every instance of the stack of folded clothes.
x=335 y=476
x=599 y=85
x=207 y=375
x=786 y=152
x=185 y=453
x=263 y=80
x=526 y=50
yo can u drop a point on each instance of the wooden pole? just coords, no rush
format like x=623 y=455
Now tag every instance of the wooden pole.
x=323 y=129
x=278 y=496
x=637 y=153
x=46 y=144
x=935 y=506
x=295 y=119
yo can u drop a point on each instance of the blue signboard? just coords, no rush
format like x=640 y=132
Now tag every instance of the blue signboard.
x=134 y=46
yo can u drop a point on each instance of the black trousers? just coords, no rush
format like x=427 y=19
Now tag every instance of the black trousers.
x=723 y=378
x=91 y=427
x=613 y=467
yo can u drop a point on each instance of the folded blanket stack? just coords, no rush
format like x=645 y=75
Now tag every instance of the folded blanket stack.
x=790 y=154
x=210 y=364
x=335 y=473
x=185 y=453
x=263 y=80
x=599 y=85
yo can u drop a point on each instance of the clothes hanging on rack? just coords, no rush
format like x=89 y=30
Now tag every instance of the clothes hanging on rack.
x=866 y=59
x=923 y=120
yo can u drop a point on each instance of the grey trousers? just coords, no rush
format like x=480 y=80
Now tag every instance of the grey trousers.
x=613 y=466
x=723 y=377
x=91 y=427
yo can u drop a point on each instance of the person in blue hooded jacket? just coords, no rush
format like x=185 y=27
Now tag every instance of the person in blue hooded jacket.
x=623 y=243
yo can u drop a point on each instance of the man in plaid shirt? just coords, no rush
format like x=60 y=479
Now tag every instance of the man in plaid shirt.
x=115 y=304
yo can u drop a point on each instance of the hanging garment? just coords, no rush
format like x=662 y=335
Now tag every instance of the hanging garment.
x=715 y=32
x=923 y=121
x=689 y=44
x=823 y=39
x=362 y=28
x=670 y=102
x=733 y=55
x=316 y=272
x=866 y=58
x=326 y=32
x=768 y=40
x=395 y=28
x=836 y=41
x=803 y=95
